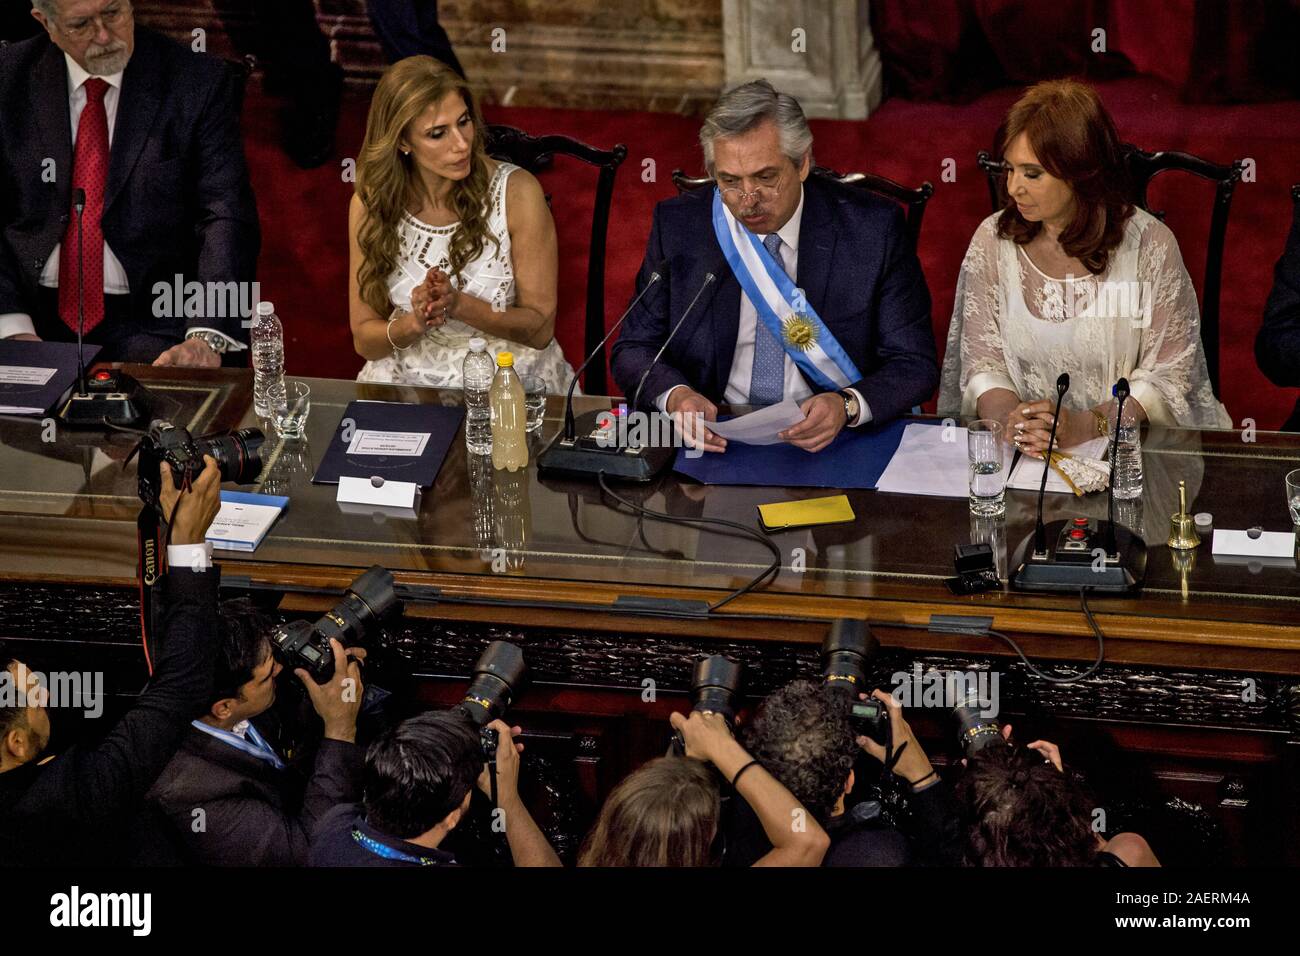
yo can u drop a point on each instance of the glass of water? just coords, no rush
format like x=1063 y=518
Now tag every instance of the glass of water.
x=291 y=419
x=1293 y=495
x=534 y=401
x=988 y=468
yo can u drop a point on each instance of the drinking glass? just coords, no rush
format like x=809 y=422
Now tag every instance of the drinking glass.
x=291 y=420
x=534 y=402
x=1293 y=495
x=988 y=468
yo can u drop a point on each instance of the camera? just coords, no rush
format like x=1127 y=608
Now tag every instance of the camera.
x=497 y=675
x=848 y=646
x=715 y=682
x=302 y=645
x=974 y=730
x=238 y=455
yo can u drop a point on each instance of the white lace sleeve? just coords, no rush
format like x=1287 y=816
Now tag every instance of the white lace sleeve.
x=974 y=360
x=1170 y=378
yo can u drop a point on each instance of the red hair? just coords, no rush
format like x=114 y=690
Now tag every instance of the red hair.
x=1075 y=140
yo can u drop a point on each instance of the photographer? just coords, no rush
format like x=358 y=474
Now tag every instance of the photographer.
x=803 y=735
x=229 y=797
x=667 y=812
x=1020 y=808
x=72 y=809
x=419 y=779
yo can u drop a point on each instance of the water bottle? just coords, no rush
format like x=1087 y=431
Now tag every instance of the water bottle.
x=1126 y=470
x=477 y=373
x=509 y=417
x=268 y=361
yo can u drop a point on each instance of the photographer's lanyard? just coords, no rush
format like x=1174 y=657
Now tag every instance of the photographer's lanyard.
x=149 y=571
x=387 y=852
x=492 y=779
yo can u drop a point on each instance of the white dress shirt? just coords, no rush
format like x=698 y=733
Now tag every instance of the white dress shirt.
x=195 y=557
x=115 y=280
x=742 y=362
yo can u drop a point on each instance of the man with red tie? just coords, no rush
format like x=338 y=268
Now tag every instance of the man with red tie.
x=149 y=132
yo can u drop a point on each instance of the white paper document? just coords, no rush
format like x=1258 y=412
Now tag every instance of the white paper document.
x=363 y=491
x=241 y=527
x=761 y=427
x=23 y=375
x=1270 y=544
x=930 y=460
x=1028 y=474
x=368 y=441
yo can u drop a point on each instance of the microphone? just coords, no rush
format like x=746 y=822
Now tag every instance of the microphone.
x=708 y=281
x=600 y=446
x=1040 y=531
x=79 y=204
x=1121 y=392
x=570 y=427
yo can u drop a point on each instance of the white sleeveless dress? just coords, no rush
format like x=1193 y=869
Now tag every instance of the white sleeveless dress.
x=435 y=358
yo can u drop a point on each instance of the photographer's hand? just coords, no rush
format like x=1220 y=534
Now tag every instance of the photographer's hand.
x=913 y=765
x=528 y=845
x=190 y=515
x=338 y=701
x=706 y=735
x=508 y=751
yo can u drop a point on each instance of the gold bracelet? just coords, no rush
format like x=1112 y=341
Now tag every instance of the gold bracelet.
x=397 y=313
x=1103 y=423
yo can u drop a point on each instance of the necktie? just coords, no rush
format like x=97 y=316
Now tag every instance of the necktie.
x=767 y=380
x=89 y=172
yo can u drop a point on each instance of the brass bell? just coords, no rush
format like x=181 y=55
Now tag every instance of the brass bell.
x=1182 y=527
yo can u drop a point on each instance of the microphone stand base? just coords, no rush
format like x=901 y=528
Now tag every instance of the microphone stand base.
x=112 y=398
x=585 y=458
x=1073 y=562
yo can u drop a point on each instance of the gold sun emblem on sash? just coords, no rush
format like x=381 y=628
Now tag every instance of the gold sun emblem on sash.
x=799 y=332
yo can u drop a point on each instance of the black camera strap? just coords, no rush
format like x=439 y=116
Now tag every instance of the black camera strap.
x=492 y=779
x=151 y=539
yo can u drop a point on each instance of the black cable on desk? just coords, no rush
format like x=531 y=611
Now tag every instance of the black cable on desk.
x=769 y=573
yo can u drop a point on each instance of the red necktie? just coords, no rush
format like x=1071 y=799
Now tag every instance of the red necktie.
x=89 y=172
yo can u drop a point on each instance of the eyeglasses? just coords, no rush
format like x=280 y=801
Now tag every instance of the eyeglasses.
x=769 y=184
x=83 y=28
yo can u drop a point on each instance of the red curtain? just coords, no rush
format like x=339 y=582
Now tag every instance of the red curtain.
x=1212 y=51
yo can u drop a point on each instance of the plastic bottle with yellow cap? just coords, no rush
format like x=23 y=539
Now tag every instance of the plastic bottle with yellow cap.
x=509 y=416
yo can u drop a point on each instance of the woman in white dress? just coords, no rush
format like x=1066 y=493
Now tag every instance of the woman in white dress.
x=446 y=244
x=1070 y=277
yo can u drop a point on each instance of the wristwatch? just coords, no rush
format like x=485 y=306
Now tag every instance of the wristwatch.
x=218 y=343
x=851 y=408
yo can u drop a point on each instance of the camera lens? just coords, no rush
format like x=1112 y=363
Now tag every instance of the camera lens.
x=714 y=684
x=974 y=731
x=238 y=455
x=497 y=676
x=848 y=646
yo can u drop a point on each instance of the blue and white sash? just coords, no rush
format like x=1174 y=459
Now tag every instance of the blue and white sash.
x=782 y=306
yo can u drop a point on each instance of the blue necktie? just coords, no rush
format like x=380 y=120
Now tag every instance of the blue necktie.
x=767 y=379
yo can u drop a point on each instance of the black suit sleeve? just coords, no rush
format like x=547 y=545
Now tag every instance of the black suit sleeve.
x=226 y=225
x=256 y=833
x=96 y=785
x=644 y=332
x=1277 y=346
x=906 y=372
x=935 y=827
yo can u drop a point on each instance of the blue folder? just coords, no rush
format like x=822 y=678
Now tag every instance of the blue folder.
x=440 y=422
x=853 y=460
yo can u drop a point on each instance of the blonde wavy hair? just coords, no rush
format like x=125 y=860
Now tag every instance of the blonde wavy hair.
x=387 y=181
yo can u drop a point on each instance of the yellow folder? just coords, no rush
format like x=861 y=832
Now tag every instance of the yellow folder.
x=801 y=514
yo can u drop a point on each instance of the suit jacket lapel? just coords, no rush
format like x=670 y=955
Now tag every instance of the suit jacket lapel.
x=137 y=107
x=726 y=323
x=50 y=93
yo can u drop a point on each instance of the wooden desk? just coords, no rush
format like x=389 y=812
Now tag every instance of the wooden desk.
x=1199 y=687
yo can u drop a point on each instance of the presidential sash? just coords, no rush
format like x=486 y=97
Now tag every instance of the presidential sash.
x=782 y=306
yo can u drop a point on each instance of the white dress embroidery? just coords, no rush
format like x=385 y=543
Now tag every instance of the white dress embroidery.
x=435 y=359
x=1014 y=327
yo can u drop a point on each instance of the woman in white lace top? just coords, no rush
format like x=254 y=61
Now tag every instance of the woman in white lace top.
x=446 y=244
x=1072 y=278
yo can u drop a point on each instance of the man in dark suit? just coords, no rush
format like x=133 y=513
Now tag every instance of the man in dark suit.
x=847 y=253
x=150 y=132
x=231 y=799
x=74 y=809
x=1277 y=346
